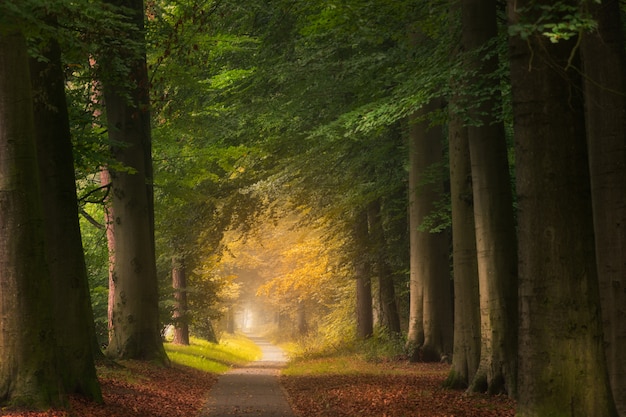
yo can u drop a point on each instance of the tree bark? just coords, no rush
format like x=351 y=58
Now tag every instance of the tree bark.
x=562 y=366
x=466 y=353
x=29 y=369
x=389 y=317
x=135 y=324
x=417 y=239
x=179 y=283
x=493 y=206
x=134 y=313
x=105 y=181
x=604 y=66
x=73 y=314
x=362 y=271
x=430 y=317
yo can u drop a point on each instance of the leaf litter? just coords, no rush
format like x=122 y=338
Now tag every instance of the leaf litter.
x=140 y=389
x=416 y=393
x=147 y=390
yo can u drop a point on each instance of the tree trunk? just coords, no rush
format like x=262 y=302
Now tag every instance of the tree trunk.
x=105 y=181
x=94 y=98
x=134 y=321
x=303 y=326
x=29 y=369
x=179 y=283
x=135 y=332
x=466 y=354
x=493 y=208
x=73 y=314
x=230 y=320
x=417 y=239
x=362 y=271
x=604 y=66
x=430 y=316
x=388 y=315
x=562 y=366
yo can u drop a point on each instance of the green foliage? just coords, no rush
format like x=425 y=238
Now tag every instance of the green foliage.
x=23 y=15
x=266 y=107
x=203 y=169
x=383 y=346
x=330 y=87
x=97 y=262
x=558 y=21
x=301 y=103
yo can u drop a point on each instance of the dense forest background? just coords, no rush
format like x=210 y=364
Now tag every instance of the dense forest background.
x=446 y=178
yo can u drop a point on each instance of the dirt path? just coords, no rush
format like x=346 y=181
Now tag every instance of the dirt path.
x=252 y=391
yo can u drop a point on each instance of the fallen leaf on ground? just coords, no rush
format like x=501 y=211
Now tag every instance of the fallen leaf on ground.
x=415 y=394
x=147 y=391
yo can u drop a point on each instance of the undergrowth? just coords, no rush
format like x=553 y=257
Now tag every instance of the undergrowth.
x=317 y=355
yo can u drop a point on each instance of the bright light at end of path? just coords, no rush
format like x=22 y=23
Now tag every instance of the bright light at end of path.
x=248 y=319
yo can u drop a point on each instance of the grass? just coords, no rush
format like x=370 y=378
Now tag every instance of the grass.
x=351 y=364
x=211 y=357
x=382 y=354
x=339 y=365
x=122 y=370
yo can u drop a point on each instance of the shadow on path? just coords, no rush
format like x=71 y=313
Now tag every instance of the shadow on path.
x=252 y=390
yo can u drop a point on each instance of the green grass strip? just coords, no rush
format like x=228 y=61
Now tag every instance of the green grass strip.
x=233 y=350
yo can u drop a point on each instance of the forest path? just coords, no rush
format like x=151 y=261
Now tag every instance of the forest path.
x=252 y=390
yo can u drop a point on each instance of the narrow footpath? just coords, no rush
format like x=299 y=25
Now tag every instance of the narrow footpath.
x=253 y=390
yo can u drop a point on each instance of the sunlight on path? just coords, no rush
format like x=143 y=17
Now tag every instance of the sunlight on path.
x=252 y=390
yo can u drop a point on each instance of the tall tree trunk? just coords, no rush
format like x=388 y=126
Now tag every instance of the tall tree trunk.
x=135 y=332
x=179 y=283
x=74 y=325
x=430 y=317
x=302 y=325
x=493 y=207
x=94 y=99
x=604 y=66
x=362 y=271
x=105 y=181
x=466 y=354
x=389 y=317
x=29 y=369
x=417 y=240
x=562 y=365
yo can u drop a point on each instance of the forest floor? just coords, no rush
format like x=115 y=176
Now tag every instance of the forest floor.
x=398 y=389
x=145 y=390
x=340 y=385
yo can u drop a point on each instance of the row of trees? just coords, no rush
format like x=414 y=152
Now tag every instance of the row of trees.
x=355 y=114
x=365 y=89
x=516 y=92
x=48 y=335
